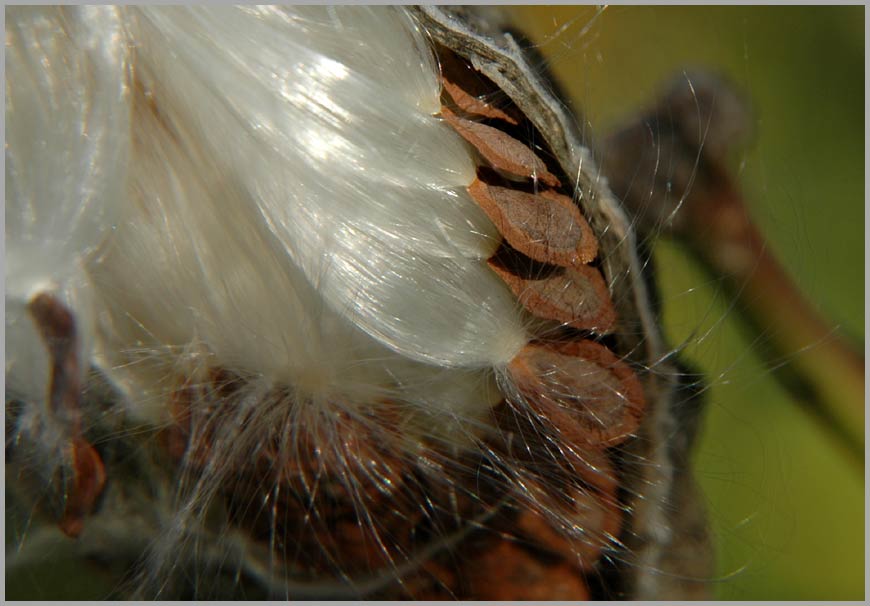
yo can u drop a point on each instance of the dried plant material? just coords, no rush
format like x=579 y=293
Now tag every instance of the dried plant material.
x=305 y=467
x=176 y=435
x=471 y=104
x=435 y=581
x=701 y=120
x=469 y=90
x=504 y=153
x=338 y=468
x=596 y=518
x=89 y=479
x=586 y=393
x=577 y=297
x=546 y=226
x=588 y=245
x=507 y=571
x=57 y=327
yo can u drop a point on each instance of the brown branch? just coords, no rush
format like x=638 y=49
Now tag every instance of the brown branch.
x=669 y=167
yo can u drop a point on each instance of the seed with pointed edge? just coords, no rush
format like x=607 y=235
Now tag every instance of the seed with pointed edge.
x=504 y=153
x=577 y=297
x=546 y=226
x=469 y=90
x=582 y=389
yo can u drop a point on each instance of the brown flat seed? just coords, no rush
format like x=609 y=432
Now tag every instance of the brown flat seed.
x=547 y=226
x=507 y=571
x=474 y=105
x=588 y=245
x=468 y=89
x=89 y=478
x=504 y=153
x=582 y=389
x=596 y=518
x=577 y=297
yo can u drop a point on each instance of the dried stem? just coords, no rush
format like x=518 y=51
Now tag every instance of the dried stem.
x=681 y=147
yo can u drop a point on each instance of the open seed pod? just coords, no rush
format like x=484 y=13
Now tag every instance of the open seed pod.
x=665 y=533
x=371 y=325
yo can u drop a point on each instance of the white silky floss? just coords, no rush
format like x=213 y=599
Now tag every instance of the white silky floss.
x=67 y=141
x=297 y=213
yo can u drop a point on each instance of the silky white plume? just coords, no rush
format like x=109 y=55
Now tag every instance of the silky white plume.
x=67 y=141
x=323 y=123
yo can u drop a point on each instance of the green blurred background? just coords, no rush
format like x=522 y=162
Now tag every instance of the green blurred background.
x=786 y=507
